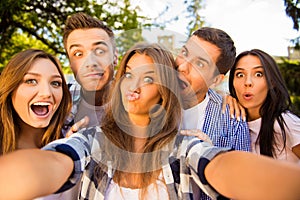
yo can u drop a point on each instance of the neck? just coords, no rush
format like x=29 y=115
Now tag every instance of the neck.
x=253 y=114
x=139 y=131
x=194 y=101
x=139 y=120
x=95 y=98
x=30 y=137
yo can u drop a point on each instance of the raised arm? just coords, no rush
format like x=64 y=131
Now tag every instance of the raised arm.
x=30 y=173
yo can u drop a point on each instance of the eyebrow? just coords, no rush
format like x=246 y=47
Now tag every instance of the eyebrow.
x=256 y=67
x=147 y=72
x=94 y=44
x=36 y=74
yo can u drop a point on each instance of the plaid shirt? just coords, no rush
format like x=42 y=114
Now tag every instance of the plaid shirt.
x=182 y=164
x=74 y=89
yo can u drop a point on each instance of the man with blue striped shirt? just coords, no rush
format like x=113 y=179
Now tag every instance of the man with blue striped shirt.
x=202 y=64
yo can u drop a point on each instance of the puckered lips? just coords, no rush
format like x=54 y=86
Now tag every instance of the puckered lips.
x=41 y=109
x=132 y=96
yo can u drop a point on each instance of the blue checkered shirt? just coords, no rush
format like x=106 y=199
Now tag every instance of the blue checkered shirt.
x=186 y=161
x=223 y=130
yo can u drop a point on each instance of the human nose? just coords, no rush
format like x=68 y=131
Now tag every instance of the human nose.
x=135 y=85
x=248 y=81
x=183 y=65
x=45 y=90
x=91 y=61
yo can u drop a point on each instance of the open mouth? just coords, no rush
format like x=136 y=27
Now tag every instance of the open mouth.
x=40 y=108
x=182 y=84
x=248 y=96
x=100 y=74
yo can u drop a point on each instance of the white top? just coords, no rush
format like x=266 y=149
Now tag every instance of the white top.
x=70 y=194
x=193 y=118
x=114 y=191
x=292 y=137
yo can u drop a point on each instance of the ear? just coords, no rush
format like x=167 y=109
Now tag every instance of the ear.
x=115 y=59
x=217 y=80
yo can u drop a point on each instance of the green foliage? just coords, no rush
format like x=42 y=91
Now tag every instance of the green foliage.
x=196 y=20
x=290 y=71
x=39 y=23
x=292 y=10
x=126 y=39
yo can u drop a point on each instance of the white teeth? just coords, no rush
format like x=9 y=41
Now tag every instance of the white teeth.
x=41 y=104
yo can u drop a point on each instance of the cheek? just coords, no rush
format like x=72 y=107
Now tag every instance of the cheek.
x=179 y=60
x=264 y=91
x=197 y=80
x=237 y=85
x=110 y=70
x=75 y=66
x=107 y=60
x=153 y=93
x=19 y=101
x=58 y=95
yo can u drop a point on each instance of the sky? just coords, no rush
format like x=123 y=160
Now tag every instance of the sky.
x=259 y=24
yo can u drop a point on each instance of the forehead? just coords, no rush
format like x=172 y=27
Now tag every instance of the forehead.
x=141 y=62
x=86 y=37
x=249 y=61
x=201 y=48
x=43 y=65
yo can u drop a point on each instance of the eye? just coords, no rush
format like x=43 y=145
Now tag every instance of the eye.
x=148 y=80
x=184 y=52
x=198 y=63
x=56 y=84
x=259 y=74
x=30 y=81
x=239 y=74
x=99 y=51
x=128 y=75
x=77 y=53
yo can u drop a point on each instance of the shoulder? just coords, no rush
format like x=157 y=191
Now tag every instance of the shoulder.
x=291 y=120
x=213 y=95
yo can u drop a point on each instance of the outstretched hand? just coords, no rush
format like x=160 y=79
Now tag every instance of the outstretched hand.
x=197 y=133
x=78 y=125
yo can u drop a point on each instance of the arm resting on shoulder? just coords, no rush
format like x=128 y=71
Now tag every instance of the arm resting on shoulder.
x=30 y=173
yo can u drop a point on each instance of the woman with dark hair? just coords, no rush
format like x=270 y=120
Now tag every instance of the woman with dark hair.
x=256 y=82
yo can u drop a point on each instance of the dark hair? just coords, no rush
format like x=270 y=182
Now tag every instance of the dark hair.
x=83 y=21
x=224 y=42
x=277 y=100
